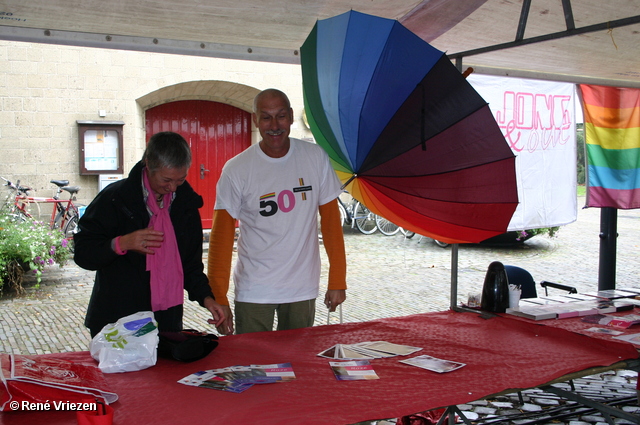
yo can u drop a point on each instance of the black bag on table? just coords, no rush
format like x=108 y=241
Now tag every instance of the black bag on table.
x=187 y=345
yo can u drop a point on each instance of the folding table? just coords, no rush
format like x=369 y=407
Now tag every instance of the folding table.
x=501 y=354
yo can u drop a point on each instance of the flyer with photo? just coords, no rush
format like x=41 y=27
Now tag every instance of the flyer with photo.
x=632 y=338
x=353 y=370
x=272 y=372
x=216 y=379
x=433 y=364
x=239 y=378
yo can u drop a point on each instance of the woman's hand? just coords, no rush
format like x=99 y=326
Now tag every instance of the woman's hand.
x=142 y=241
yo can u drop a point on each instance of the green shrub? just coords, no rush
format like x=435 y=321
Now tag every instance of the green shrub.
x=28 y=245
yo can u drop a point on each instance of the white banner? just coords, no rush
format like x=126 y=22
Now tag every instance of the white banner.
x=537 y=119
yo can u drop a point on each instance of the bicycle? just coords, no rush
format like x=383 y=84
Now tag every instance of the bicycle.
x=18 y=205
x=386 y=227
x=64 y=215
x=356 y=214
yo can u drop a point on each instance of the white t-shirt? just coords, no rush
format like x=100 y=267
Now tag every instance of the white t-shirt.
x=276 y=201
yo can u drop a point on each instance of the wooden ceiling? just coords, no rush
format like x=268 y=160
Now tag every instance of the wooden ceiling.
x=581 y=41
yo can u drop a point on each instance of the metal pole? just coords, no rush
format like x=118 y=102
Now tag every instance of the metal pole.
x=608 y=242
x=453 y=303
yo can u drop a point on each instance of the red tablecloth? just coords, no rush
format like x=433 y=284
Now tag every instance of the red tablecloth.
x=500 y=353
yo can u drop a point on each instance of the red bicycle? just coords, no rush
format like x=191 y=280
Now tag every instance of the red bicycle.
x=64 y=214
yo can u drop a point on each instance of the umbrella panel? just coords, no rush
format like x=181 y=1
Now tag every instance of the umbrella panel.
x=439 y=101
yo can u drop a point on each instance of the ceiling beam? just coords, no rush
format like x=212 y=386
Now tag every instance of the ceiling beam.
x=148 y=44
x=553 y=36
x=524 y=16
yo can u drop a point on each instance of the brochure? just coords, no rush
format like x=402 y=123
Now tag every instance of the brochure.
x=632 y=338
x=434 y=364
x=611 y=294
x=216 y=379
x=367 y=350
x=623 y=322
x=604 y=331
x=272 y=372
x=353 y=371
x=239 y=378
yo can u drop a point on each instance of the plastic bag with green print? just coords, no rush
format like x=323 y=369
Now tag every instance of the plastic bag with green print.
x=128 y=345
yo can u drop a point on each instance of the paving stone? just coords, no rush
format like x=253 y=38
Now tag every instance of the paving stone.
x=501 y=404
x=481 y=410
x=627 y=373
x=546 y=401
x=620 y=421
x=510 y=412
x=528 y=407
x=592 y=418
x=615 y=378
x=472 y=416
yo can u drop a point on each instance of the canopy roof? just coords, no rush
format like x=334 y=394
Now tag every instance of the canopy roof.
x=580 y=41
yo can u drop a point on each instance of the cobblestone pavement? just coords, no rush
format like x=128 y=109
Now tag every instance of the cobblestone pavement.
x=387 y=276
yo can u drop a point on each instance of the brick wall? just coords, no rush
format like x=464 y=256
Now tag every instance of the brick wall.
x=45 y=89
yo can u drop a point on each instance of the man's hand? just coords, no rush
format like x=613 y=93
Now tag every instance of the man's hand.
x=217 y=311
x=226 y=326
x=334 y=297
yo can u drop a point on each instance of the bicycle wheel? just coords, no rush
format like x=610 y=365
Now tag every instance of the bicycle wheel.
x=386 y=227
x=57 y=221
x=441 y=244
x=343 y=214
x=365 y=219
x=407 y=233
x=70 y=229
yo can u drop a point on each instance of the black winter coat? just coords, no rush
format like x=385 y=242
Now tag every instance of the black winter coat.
x=122 y=284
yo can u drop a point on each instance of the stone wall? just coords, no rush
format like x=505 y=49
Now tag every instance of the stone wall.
x=45 y=89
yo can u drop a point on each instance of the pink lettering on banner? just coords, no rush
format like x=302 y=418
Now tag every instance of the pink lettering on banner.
x=534 y=121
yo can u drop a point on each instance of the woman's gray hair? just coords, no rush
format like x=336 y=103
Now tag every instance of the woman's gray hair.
x=167 y=149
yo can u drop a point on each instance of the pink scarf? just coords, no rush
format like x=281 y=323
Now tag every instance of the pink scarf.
x=165 y=266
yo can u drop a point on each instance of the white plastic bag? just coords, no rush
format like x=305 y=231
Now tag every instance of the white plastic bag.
x=128 y=345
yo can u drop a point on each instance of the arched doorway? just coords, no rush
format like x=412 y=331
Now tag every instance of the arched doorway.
x=215 y=131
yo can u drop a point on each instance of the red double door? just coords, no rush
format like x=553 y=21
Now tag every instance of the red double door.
x=215 y=131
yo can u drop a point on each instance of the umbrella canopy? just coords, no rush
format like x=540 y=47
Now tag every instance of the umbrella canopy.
x=406 y=133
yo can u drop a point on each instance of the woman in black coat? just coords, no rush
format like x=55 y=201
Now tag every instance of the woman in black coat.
x=115 y=239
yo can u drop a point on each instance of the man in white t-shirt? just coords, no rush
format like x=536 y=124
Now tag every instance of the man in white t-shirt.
x=275 y=190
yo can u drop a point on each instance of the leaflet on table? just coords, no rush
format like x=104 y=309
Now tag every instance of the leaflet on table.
x=434 y=364
x=611 y=294
x=604 y=331
x=266 y=373
x=633 y=338
x=564 y=310
x=353 y=371
x=216 y=379
x=239 y=378
x=616 y=321
x=367 y=350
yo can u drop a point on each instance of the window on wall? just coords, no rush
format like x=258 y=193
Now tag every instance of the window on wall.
x=100 y=147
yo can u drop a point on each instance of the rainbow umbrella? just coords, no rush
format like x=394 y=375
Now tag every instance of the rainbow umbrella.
x=406 y=133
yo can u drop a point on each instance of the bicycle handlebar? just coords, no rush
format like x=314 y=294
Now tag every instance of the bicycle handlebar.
x=22 y=190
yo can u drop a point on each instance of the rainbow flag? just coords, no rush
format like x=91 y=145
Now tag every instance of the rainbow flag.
x=612 y=136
